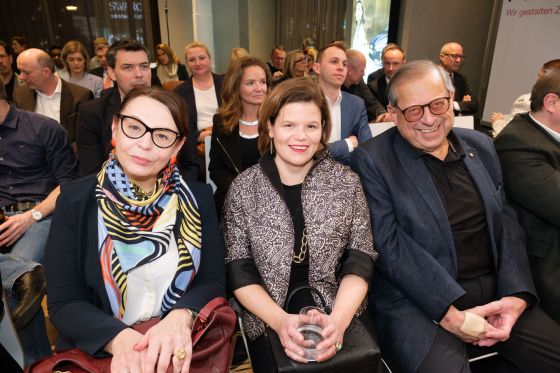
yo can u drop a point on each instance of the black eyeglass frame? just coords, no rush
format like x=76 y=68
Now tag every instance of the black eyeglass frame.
x=423 y=107
x=151 y=131
x=455 y=56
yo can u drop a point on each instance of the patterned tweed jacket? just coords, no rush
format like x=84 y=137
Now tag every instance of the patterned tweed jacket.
x=259 y=233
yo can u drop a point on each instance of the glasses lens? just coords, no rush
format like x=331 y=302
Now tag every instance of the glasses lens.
x=164 y=138
x=439 y=105
x=132 y=127
x=413 y=113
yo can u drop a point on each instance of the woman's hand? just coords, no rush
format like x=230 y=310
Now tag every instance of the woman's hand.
x=161 y=343
x=204 y=133
x=125 y=359
x=289 y=336
x=333 y=334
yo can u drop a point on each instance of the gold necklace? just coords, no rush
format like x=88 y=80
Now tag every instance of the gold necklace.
x=299 y=258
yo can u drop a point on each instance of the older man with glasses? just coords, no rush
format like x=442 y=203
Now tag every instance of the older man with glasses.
x=450 y=58
x=452 y=268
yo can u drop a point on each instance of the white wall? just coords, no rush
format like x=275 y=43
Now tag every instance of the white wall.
x=262 y=27
x=180 y=24
x=523 y=44
x=426 y=25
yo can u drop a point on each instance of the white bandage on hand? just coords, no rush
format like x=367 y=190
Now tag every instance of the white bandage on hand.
x=473 y=324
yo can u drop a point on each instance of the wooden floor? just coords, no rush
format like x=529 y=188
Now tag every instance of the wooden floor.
x=245 y=368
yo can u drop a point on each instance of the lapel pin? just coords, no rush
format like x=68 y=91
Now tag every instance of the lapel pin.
x=471 y=155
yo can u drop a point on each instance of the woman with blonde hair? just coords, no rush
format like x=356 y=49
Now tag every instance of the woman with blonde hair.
x=235 y=133
x=202 y=93
x=297 y=218
x=168 y=65
x=76 y=66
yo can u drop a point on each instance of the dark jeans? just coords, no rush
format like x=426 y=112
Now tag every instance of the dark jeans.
x=533 y=346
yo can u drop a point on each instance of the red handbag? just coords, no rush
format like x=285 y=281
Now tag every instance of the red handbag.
x=211 y=336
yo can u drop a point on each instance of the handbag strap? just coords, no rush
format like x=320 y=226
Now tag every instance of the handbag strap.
x=312 y=290
x=209 y=307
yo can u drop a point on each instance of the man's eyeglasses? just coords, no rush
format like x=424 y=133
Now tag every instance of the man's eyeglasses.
x=134 y=128
x=455 y=56
x=438 y=106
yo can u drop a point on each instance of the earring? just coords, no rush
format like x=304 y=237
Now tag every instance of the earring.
x=172 y=160
x=272 y=147
x=114 y=142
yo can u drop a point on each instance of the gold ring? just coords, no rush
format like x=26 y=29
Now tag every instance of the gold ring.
x=180 y=354
x=338 y=346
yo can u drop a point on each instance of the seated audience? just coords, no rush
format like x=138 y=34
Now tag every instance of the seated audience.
x=35 y=160
x=202 y=93
x=450 y=58
x=529 y=151
x=235 y=133
x=45 y=93
x=392 y=57
x=75 y=58
x=237 y=53
x=452 y=266
x=168 y=65
x=101 y=70
x=276 y=63
x=7 y=74
x=354 y=84
x=94 y=63
x=522 y=104
x=348 y=113
x=129 y=66
x=135 y=242
x=55 y=52
x=18 y=44
x=296 y=65
x=296 y=218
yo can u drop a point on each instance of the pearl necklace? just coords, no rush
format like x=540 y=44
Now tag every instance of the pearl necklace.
x=252 y=123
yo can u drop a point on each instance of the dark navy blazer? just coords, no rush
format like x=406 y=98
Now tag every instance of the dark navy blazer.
x=415 y=278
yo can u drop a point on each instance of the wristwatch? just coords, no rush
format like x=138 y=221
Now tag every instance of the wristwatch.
x=36 y=214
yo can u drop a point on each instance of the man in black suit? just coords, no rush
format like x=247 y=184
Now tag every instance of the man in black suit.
x=393 y=57
x=128 y=66
x=354 y=84
x=451 y=57
x=529 y=151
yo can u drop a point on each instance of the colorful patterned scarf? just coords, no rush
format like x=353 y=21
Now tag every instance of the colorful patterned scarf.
x=133 y=232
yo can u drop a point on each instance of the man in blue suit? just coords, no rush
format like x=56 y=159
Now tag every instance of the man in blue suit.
x=452 y=267
x=348 y=113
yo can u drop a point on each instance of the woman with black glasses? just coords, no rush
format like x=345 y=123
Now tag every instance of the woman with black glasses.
x=135 y=242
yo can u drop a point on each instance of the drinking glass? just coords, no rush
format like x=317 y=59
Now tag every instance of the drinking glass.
x=311 y=322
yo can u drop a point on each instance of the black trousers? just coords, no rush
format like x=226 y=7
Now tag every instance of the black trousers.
x=533 y=346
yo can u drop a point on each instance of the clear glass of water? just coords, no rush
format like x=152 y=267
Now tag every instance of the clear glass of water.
x=311 y=322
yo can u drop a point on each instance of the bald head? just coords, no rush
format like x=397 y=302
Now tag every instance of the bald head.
x=356 y=67
x=37 y=70
x=451 y=56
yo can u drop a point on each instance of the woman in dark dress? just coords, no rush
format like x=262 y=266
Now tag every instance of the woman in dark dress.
x=135 y=242
x=235 y=133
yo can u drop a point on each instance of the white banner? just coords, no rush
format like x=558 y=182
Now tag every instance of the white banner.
x=528 y=36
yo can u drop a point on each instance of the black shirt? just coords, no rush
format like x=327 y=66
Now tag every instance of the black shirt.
x=10 y=88
x=249 y=152
x=35 y=157
x=300 y=271
x=465 y=210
